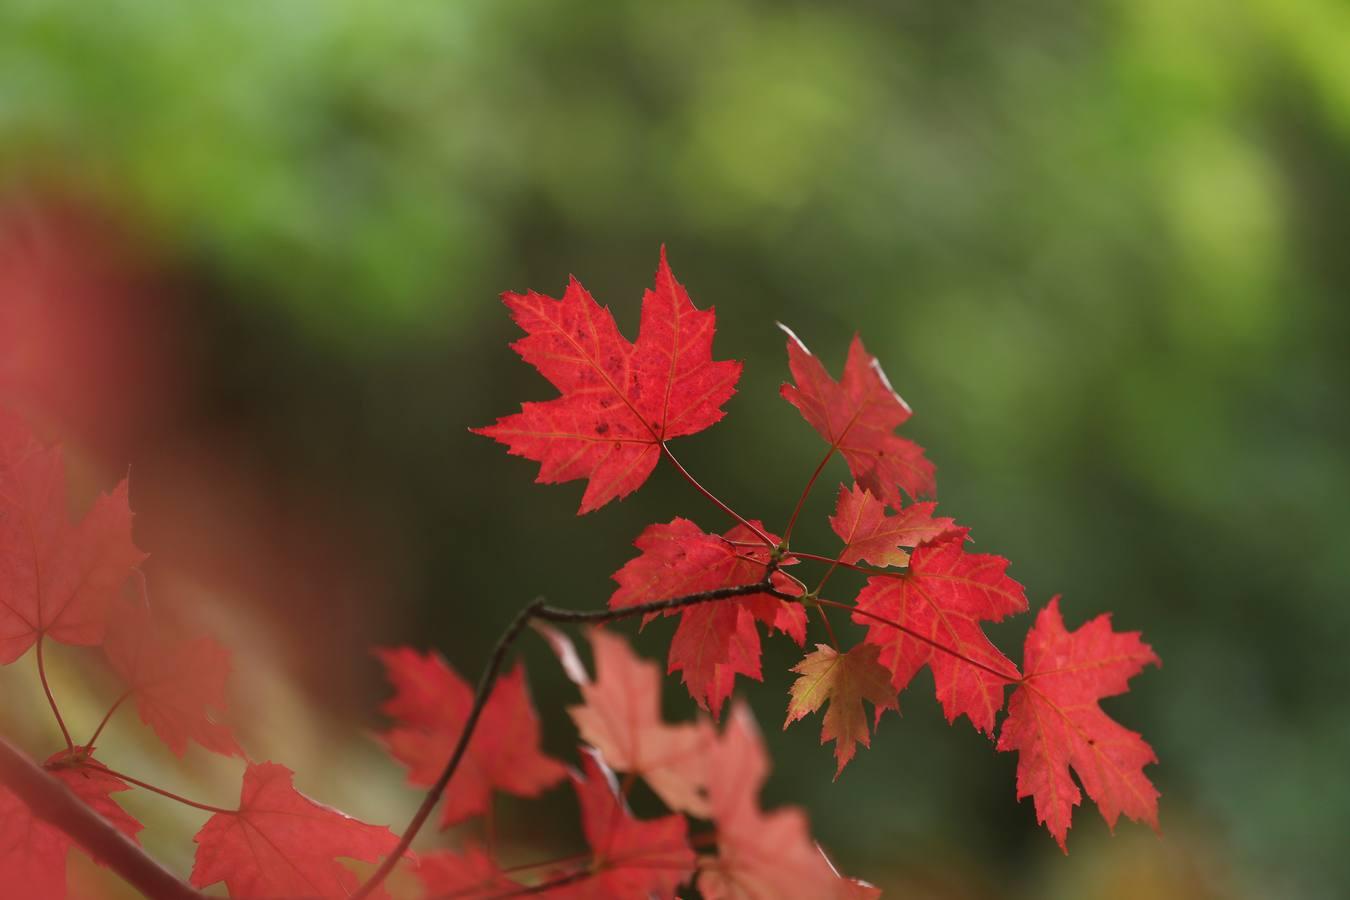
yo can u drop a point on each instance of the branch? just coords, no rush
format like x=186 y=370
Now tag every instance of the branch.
x=537 y=610
x=53 y=802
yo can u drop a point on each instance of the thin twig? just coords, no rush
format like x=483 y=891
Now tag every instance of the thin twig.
x=923 y=638
x=758 y=532
x=53 y=802
x=204 y=807
x=107 y=717
x=537 y=610
x=806 y=492
x=835 y=561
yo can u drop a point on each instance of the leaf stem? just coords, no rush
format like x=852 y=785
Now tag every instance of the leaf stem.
x=490 y=826
x=758 y=532
x=204 y=807
x=107 y=717
x=806 y=492
x=51 y=698
x=834 y=561
x=829 y=629
x=1012 y=679
x=826 y=577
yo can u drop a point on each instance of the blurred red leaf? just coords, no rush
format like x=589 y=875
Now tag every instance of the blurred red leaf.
x=32 y=851
x=178 y=684
x=621 y=717
x=57 y=577
x=630 y=857
x=430 y=706
x=760 y=854
x=282 y=844
x=471 y=873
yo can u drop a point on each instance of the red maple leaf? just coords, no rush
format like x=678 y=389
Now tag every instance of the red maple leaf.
x=870 y=534
x=280 y=843
x=760 y=854
x=56 y=577
x=620 y=401
x=717 y=640
x=178 y=684
x=430 y=707
x=1054 y=722
x=857 y=416
x=630 y=857
x=621 y=718
x=941 y=601
x=32 y=851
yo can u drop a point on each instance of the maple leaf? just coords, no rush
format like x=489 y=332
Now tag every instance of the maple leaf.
x=471 y=873
x=857 y=416
x=630 y=857
x=178 y=684
x=759 y=854
x=280 y=843
x=941 y=601
x=717 y=640
x=620 y=401
x=430 y=707
x=32 y=851
x=870 y=534
x=56 y=577
x=845 y=680
x=621 y=718
x=1054 y=722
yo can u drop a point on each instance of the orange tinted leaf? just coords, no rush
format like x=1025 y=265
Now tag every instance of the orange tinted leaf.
x=619 y=400
x=845 y=681
x=1055 y=723
x=858 y=415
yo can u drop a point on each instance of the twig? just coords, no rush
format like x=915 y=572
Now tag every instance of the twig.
x=53 y=802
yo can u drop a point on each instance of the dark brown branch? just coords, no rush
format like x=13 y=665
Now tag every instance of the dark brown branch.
x=53 y=802
x=537 y=610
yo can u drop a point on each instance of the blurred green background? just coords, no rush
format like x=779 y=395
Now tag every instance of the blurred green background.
x=1099 y=247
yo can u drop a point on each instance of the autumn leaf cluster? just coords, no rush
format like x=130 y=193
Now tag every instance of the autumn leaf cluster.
x=925 y=603
x=927 y=597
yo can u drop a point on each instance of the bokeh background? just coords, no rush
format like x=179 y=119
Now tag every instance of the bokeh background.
x=1100 y=248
